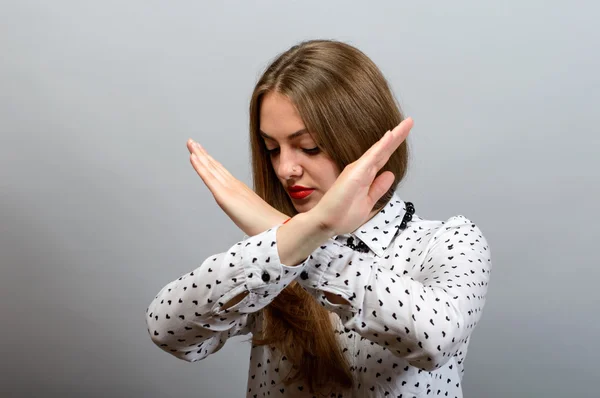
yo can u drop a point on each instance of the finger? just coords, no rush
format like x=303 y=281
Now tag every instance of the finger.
x=380 y=152
x=201 y=163
x=202 y=154
x=190 y=145
x=392 y=140
x=377 y=148
x=400 y=132
x=205 y=159
x=211 y=178
x=216 y=168
x=213 y=174
x=381 y=185
x=201 y=170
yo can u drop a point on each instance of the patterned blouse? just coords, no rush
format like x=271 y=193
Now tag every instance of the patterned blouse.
x=414 y=294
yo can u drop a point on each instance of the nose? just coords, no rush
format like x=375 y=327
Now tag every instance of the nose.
x=287 y=166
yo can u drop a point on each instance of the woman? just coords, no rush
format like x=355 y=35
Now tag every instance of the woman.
x=345 y=290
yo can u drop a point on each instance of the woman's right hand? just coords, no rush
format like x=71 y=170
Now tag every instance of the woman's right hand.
x=245 y=208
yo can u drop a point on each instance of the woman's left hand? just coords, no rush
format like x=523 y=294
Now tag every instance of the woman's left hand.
x=349 y=202
x=245 y=208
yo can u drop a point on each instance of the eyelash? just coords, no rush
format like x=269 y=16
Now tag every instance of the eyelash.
x=312 y=151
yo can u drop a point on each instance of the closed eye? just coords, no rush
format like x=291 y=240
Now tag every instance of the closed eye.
x=312 y=151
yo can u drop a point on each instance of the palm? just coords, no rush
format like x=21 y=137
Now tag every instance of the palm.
x=245 y=208
x=350 y=200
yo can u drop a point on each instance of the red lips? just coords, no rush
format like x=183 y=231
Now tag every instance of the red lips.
x=297 y=188
x=299 y=192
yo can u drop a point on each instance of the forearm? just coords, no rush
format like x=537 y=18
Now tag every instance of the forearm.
x=299 y=237
x=296 y=240
x=212 y=303
x=262 y=221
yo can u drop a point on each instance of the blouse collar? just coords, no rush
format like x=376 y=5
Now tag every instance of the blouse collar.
x=378 y=232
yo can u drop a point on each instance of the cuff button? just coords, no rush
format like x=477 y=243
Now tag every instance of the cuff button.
x=265 y=276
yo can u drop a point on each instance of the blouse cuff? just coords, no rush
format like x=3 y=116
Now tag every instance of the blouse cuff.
x=263 y=273
x=329 y=269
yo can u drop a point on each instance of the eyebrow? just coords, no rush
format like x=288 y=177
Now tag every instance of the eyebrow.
x=290 y=137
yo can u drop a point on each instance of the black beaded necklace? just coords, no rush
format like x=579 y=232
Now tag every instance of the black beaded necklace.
x=361 y=247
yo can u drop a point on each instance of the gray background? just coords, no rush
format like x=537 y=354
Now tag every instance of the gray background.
x=100 y=206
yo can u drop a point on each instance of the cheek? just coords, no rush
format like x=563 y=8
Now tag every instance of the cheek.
x=333 y=170
x=331 y=173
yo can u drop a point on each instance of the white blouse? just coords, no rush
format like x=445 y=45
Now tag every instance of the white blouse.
x=414 y=300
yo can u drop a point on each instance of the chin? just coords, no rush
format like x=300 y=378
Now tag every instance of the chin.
x=304 y=207
x=301 y=209
x=306 y=204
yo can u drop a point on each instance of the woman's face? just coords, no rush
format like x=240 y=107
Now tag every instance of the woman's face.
x=292 y=151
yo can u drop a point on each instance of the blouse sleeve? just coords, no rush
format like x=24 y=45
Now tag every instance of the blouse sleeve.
x=185 y=318
x=423 y=316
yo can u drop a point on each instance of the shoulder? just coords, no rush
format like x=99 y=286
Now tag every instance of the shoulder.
x=457 y=237
x=458 y=225
x=457 y=230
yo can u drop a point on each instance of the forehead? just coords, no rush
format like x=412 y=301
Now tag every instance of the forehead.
x=279 y=119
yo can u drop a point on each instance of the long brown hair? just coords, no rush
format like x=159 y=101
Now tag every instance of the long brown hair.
x=347 y=106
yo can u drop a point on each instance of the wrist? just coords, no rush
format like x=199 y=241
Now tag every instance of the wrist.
x=317 y=224
x=298 y=238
